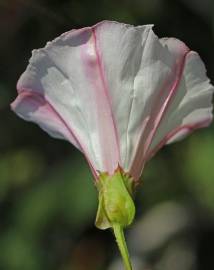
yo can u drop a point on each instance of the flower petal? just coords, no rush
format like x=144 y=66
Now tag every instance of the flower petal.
x=186 y=105
x=123 y=50
x=67 y=74
x=117 y=92
x=33 y=107
x=141 y=74
x=191 y=107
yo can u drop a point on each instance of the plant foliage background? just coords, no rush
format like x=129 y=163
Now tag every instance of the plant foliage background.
x=47 y=198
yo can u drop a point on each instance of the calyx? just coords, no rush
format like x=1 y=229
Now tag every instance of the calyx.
x=116 y=206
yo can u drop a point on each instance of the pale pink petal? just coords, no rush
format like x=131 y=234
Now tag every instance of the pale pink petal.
x=190 y=108
x=122 y=48
x=186 y=107
x=119 y=91
x=33 y=107
x=141 y=74
x=68 y=74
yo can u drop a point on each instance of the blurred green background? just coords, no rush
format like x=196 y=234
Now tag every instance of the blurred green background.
x=47 y=198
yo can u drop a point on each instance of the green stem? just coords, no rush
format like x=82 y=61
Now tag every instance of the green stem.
x=121 y=242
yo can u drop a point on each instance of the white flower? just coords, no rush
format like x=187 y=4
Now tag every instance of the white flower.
x=117 y=92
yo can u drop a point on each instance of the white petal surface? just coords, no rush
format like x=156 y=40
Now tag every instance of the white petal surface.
x=183 y=105
x=117 y=92
x=33 y=107
x=140 y=72
x=67 y=74
x=190 y=108
x=121 y=48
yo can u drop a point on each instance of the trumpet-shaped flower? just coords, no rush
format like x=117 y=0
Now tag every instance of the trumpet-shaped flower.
x=118 y=93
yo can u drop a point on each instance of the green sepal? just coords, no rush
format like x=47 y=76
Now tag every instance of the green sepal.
x=115 y=200
x=102 y=221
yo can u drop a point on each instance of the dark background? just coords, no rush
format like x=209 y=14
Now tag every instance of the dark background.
x=47 y=198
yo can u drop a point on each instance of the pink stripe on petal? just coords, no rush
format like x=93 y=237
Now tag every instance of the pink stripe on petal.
x=106 y=129
x=182 y=131
x=101 y=68
x=156 y=118
x=35 y=101
x=167 y=102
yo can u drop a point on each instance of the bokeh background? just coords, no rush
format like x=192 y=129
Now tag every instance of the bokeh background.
x=47 y=198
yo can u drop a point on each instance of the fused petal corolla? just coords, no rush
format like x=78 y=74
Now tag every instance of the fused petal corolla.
x=117 y=92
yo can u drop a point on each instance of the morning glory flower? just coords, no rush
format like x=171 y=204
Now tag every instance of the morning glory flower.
x=118 y=93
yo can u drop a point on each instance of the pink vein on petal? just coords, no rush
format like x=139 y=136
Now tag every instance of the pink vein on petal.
x=168 y=101
x=188 y=130
x=140 y=158
x=106 y=91
x=52 y=109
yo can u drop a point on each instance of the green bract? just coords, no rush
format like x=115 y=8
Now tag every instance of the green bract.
x=115 y=200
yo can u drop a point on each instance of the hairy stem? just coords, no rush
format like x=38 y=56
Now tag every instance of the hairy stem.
x=121 y=242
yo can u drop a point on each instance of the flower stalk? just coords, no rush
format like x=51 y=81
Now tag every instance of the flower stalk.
x=121 y=242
